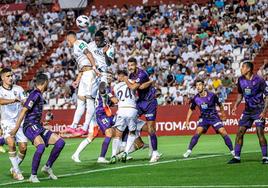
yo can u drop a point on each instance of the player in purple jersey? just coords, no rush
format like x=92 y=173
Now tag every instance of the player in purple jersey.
x=254 y=90
x=2 y=142
x=207 y=101
x=34 y=130
x=146 y=103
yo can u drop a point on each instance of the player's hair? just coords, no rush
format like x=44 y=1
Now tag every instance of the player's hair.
x=132 y=59
x=40 y=79
x=71 y=33
x=199 y=81
x=124 y=72
x=249 y=64
x=5 y=70
x=99 y=34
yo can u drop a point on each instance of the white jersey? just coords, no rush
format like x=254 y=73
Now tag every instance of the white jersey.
x=10 y=112
x=127 y=97
x=98 y=55
x=79 y=48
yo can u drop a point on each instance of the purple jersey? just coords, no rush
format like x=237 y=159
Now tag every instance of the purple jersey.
x=34 y=104
x=141 y=77
x=207 y=105
x=253 y=91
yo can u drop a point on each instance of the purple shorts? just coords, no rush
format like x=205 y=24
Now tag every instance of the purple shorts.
x=105 y=122
x=33 y=131
x=249 y=117
x=148 y=108
x=216 y=123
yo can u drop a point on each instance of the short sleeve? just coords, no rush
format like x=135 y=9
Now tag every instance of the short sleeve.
x=31 y=100
x=264 y=87
x=83 y=46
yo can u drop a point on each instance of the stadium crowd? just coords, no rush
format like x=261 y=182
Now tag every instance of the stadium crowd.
x=175 y=43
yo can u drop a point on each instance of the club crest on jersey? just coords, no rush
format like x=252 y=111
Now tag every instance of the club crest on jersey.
x=247 y=91
x=204 y=106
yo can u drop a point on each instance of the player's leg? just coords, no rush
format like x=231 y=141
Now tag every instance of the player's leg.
x=105 y=123
x=260 y=124
x=245 y=122
x=22 y=142
x=199 y=131
x=238 y=144
x=80 y=109
x=105 y=145
x=88 y=79
x=228 y=142
x=82 y=146
x=115 y=145
x=58 y=142
x=15 y=170
x=39 y=143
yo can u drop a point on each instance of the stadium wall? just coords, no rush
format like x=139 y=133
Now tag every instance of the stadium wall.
x=170 y=121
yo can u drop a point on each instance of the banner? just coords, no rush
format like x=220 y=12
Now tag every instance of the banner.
x=170 y=120
x=7 y=9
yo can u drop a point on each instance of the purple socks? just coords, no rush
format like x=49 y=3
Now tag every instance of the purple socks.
x=59 y=145
x=105 y=145
x=2 y=141
x=194 y=141
x=37 y=158
x=228 y=142
x=264 y=150
x=153 y=141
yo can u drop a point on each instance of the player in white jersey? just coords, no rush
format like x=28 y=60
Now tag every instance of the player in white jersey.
x=127 y=113
x=98 y=49
x=85 y=79
x=11 y=99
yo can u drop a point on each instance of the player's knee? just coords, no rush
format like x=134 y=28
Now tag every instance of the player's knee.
x=23 y=148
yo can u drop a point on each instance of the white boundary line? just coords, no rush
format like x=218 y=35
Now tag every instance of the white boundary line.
x=147 y=164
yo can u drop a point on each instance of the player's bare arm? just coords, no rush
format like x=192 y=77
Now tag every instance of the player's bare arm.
x=264 y=112
x=189 y=115
x=237 y=102
x=20 y=119
x=146 y=84
x=8 y=101
x=108 y=60
x=92 y=61
x=223 y=115
x=130 y=85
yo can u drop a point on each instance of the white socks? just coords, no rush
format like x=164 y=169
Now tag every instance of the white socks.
x=80 y=109
x=90 y=104
x=130 y=141
x=82 y=146
x=14 y=162
x=115 y=146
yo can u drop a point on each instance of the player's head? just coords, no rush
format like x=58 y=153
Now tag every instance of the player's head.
x=99 y=39
x=41 y=81
x=121 y=74
x=247 y=67
x=132 y=65
x=6 y=77
x=200 y=85
x=71 y=38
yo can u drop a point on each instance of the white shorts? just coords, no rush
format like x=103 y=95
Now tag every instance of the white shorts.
x=126 y=117
x=7 y=127
x=86 y=83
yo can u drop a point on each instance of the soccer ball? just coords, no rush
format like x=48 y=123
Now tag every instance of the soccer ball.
x=110 y=52
x=82 y=21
